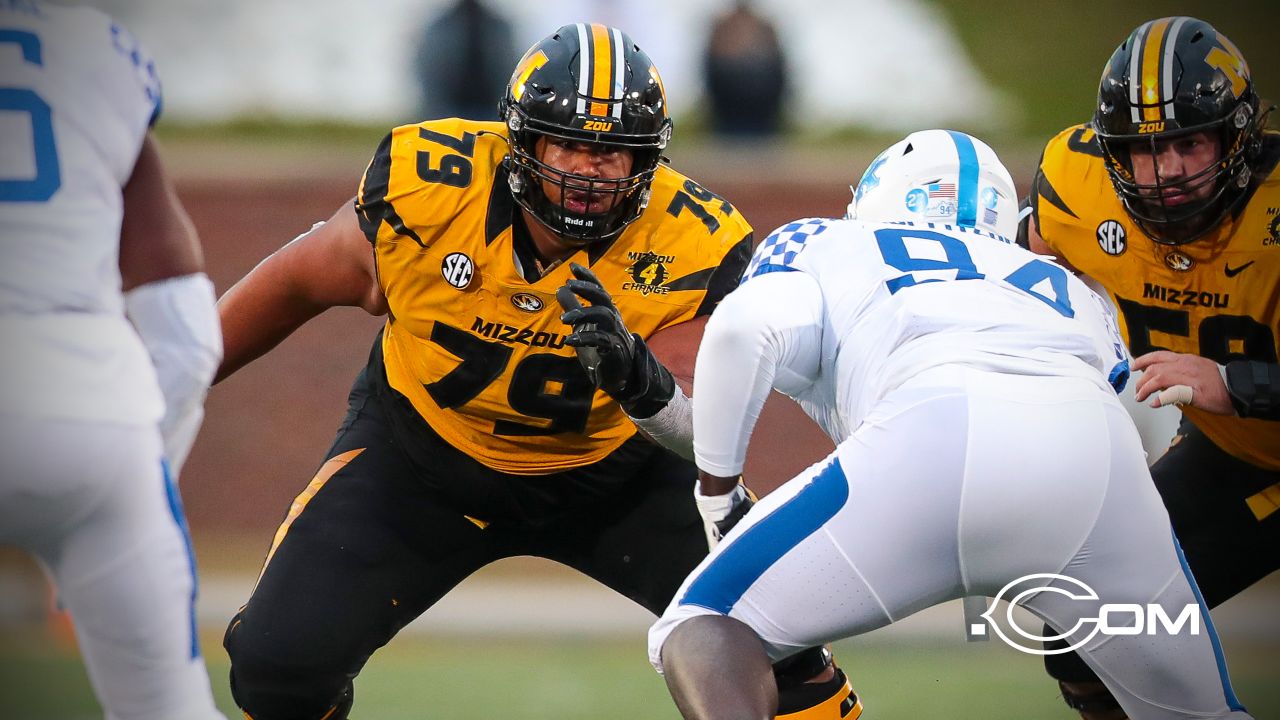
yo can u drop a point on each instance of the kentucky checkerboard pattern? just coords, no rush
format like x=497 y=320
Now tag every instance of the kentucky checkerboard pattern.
x=782 y=246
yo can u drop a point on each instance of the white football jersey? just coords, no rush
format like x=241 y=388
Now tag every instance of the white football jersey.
x=77 y=96
x=849 y=311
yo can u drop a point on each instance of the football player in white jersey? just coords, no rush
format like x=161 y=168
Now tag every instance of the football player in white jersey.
x=108 y=342
x=969 y=386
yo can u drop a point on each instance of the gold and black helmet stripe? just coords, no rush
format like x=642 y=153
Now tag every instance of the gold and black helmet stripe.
x=600 y=71
x=1151 y=85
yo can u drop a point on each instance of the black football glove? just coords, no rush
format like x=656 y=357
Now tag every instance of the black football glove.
x=616 y=360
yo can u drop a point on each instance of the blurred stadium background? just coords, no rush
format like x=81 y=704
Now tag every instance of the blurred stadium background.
x=273 y=108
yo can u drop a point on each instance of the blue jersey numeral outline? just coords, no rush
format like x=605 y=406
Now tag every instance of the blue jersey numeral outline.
x=893 y=247
x=48 y=176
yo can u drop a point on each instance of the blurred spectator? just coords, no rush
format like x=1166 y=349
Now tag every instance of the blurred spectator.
x=463 y=62
x=746 y=74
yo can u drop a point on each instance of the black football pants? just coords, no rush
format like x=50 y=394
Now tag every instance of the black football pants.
x=372 y=547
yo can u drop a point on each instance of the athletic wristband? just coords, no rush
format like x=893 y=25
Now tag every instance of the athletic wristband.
x=1254 y=388
x=672 y=426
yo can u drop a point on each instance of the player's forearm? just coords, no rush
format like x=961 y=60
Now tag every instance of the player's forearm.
x=257 y=314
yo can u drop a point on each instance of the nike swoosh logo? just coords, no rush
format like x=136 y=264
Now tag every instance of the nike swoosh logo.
x=1232 y=272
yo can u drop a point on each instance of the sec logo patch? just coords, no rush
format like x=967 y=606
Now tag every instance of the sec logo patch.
x=1112 y=238
x=457 y=269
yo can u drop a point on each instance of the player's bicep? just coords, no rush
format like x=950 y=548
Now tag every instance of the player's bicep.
x=330 y=265
x=1034 y=242
x=774 y=323
x=676 y=347
x=157 y=239
x=334 y=264
x=752 y=340
x=790 y=305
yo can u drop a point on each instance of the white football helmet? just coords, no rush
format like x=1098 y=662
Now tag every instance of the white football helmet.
x=939 y=176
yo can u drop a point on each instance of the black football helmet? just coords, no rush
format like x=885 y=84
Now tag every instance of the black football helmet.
x=1172 y=77
x=591 y=83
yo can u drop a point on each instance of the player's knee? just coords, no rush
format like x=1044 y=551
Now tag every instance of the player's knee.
x=270 y=682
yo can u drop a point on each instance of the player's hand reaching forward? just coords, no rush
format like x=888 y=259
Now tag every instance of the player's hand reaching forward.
x=1182 y=379
x=722 y=502
x=616 y=359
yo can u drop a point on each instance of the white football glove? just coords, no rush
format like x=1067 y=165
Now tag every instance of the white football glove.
x=721 y=512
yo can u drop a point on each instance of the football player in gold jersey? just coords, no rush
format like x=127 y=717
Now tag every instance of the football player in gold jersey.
x=1170 y=199
x=475 y=433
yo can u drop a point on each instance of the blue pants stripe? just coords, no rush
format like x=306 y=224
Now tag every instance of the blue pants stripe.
x=721 y=584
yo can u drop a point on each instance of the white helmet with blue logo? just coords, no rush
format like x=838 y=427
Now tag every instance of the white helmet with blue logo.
x=939 y=176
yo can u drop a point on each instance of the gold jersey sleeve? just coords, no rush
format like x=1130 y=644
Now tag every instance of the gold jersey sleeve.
x=477 y=349
x=1218 y=297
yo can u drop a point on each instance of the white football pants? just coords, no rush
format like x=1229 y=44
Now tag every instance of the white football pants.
x=94 y=504
x=956 y=485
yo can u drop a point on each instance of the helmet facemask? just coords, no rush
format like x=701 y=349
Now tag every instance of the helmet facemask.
x=624 y=198
x=1146 y=203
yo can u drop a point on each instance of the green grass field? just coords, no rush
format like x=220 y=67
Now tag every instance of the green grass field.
x=460 y=679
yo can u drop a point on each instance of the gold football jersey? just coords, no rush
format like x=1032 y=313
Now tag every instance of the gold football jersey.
x=480 y=351
x=1218 y=297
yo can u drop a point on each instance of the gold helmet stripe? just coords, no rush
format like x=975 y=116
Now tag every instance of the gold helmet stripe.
x=1151 y=55
x=602 y=68
x=1135 y=55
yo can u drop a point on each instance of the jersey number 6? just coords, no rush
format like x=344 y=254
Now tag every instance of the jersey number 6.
x=48 y=176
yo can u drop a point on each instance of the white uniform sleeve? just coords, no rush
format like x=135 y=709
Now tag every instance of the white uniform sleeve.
x=766 y=333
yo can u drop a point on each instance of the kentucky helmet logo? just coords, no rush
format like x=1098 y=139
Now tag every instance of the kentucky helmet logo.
x=869 y=179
